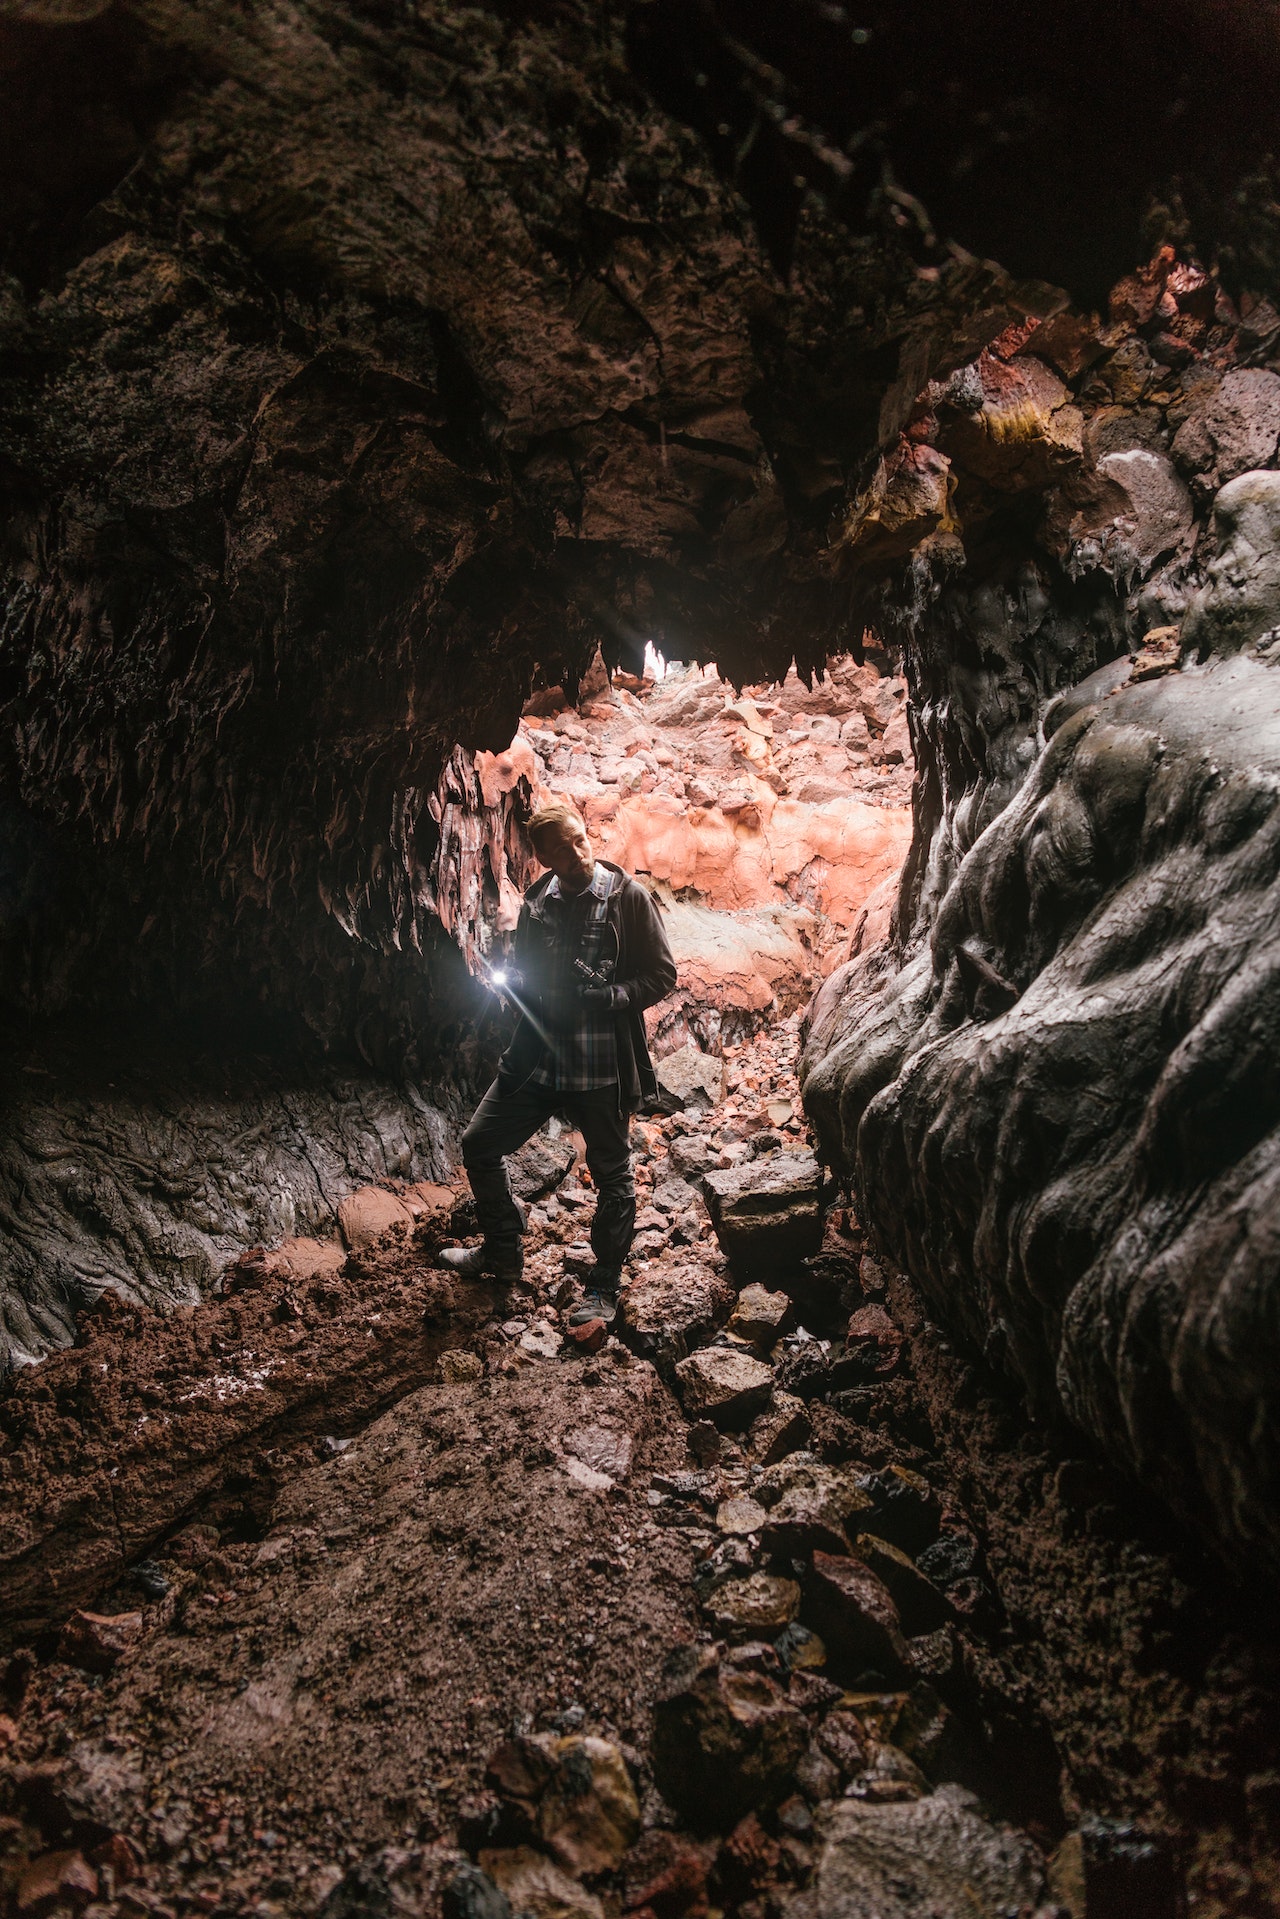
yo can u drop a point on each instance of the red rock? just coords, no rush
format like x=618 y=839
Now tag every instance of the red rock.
x=366 y=1214
x=854 y=1613
x=680 y=1889
x=425 y=1196
x=589 y=1338
x=118 y=1857
x=8 y=1732
x=56 y=1879
x=94 y=1641
x=874 y=1339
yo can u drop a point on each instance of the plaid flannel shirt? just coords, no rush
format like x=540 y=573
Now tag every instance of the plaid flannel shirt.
x=580 y=1044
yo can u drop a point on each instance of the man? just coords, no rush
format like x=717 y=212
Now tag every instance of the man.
x=590 y=955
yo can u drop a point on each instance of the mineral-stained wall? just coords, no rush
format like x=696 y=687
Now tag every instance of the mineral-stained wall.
x=1058 y=1091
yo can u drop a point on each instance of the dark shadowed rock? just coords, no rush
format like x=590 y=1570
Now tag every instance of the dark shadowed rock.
x=921 y=1606
x=854 y=1613
x=725 y=1740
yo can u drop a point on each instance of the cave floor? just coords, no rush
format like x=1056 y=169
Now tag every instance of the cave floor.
x=360 y=1543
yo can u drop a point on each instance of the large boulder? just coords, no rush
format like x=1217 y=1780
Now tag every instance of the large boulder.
x=930 y=1858
x=766 y=1212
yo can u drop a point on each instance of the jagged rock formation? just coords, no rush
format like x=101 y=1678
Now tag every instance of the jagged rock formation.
x=1056 y=1091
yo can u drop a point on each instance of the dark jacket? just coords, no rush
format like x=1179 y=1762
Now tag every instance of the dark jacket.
x=636 y=959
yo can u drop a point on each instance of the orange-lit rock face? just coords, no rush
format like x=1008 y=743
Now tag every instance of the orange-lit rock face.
x=773 y=823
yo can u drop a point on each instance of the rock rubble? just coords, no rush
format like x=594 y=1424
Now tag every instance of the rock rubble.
x=776 y=1656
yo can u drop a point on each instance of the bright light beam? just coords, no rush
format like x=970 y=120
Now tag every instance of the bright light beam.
x=499 y=980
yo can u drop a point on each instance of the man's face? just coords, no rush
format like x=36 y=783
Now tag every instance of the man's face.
x=565 y=848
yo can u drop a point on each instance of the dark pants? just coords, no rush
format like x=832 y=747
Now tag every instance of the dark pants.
x=502 y=1122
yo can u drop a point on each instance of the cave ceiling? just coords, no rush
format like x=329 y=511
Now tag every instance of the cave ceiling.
x=365 y=364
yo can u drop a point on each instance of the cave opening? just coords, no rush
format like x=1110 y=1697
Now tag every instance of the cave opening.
x=833 y=456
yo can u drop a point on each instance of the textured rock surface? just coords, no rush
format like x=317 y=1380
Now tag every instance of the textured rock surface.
x=937 y=1856
x=765 y=1212
x=128 y=1171
x=1057 y=1094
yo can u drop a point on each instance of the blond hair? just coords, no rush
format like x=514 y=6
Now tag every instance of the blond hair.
x=557 y=814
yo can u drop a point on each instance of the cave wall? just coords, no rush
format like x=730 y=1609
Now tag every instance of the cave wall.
x=1055 y=1090
x=360 y=364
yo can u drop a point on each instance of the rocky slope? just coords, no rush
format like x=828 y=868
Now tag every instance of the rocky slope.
x=390 y=1594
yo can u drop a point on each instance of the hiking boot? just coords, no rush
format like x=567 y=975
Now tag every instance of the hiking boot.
x=599 y=1300
x=496 y=1258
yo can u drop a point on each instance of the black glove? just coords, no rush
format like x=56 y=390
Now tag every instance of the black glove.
x=603 y=999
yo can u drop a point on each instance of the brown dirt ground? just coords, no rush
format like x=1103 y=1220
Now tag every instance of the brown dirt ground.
x=348 y=1633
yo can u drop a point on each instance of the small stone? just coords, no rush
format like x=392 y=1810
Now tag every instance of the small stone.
x=530 y=1882
x=588 y=1338
x=739 y=1516
x=364 y=1216
x=953 y=1557
x=782 y=1428
x=871 y=1274
x=690 y=1075
x=673 y=1196
x=932 y=1654
x=766 y=1213
x=935 y=1854
x=810 y=1505
x=603 y=1448
x=579 y=1259
x=794 y=1816
x=817 y=1776
x=8 y=1732
x=927 y=1732
x=459 y=1367
x=95 y=1641
x=56 y=1879
x=471 y=1894
x=843 y=1738
x=724 y=1384
x=761 y=1317
x=890 y=1777
x=761 y=1604
x=541 y=1341
x=589 y=1815
x=921 y=1606
x=874 y=1342
x=853 y=1611
x=117 y=1856
x=150 y=1580
x=692 y=1155
x=800 y=1650
x=586 y=1476
x=725 y=1740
